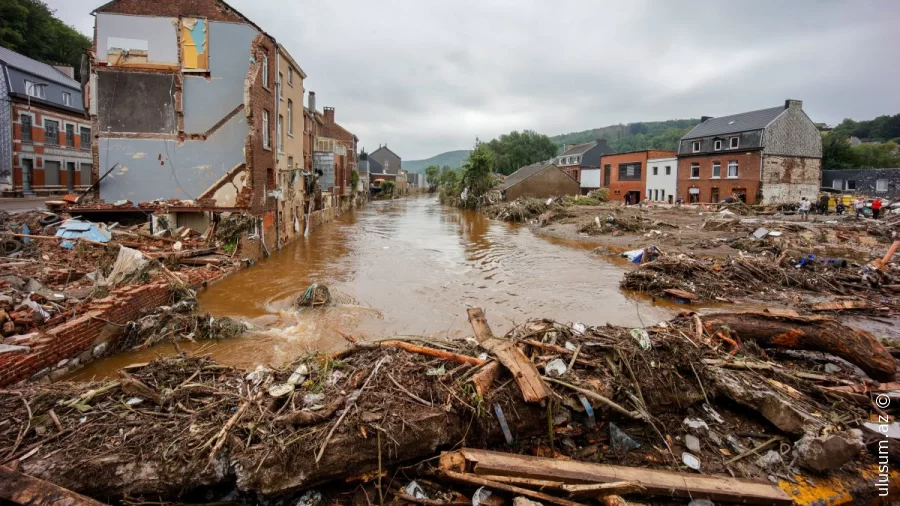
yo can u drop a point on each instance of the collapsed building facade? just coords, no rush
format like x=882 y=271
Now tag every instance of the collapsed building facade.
x=193 y=106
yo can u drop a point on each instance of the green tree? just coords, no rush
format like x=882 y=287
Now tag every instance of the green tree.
x=449 y=178
x=836 y=152
x=884 y=155
x=433 y=174
x=477 y=176
x=517 y=149
x=29 y=27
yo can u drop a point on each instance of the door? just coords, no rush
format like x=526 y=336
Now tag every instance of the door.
x=85 y=174
x=70 y=176
x=607 y=174
x=714 y=197
x=51 y=173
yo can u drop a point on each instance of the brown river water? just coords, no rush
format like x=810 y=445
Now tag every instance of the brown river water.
x=407 y=267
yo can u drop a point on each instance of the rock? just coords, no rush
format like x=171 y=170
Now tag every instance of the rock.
x=100 y=349
x=771 y=461
x=14 y=281
x=32 y=285
x=692 y=443
x=58 y=374
x=826 y=453
x=40 y=374
x=10 y=348
x=62 y=363
x=86 y=356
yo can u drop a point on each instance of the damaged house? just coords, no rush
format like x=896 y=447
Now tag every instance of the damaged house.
x=193 y=108
x=767 y=156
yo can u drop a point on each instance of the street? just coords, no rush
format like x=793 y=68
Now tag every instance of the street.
x=16 y=205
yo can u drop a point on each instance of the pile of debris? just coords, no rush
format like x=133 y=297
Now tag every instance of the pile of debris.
x=573 y=413
x=765 y=277
x=174 y=323
x=521 y=210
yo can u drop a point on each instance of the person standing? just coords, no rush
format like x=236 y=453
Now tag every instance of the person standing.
x=860 y=204
x=876 y=208
x=804 y=209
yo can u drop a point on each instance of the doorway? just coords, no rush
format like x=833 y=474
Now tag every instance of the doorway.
x=714 y=196
x=632 y=197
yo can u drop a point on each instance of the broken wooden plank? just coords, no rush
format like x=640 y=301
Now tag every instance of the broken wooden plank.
x=602 y=489
x=523 y=370
x=841 y=305
x=681 y=294
x=656 y=482
x=780 y=311
x=469 y=479
x=483 y=379
x=27 y=490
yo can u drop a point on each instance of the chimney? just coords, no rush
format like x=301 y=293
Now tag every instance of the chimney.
x=329 y=115
x=66 y=69
x=704 y=119
x=793 y=104
x=312 y=102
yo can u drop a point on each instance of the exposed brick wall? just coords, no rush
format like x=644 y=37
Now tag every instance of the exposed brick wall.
x=550 y=182
x=77 y=336
x=260 y=96
x=213 y=10
x=747 y=182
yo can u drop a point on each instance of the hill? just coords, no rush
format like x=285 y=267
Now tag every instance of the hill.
x=454 y=159
x=633 y=136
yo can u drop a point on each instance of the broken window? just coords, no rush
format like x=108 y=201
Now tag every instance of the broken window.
x=716 y=169
x=194 y=46
x=714 y=195
x=85 y=138
x=630 y=171
x=695 y=171
x=70 y=136
x=25 y=119
x=694 y=195
x=51 y=132
x=265 y=128
x=607 y=174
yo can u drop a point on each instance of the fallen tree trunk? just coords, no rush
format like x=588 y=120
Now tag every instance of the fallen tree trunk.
x=810 y=333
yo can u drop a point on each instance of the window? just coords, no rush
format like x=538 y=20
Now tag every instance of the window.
x=732 y=168
x=25 y=119
x=67 y=98
x=881 y=185
x=717 y=169
x=662 y=194
x=694 y=195
x=290 y=76
x=714 y=196
x=85 y=138
x=838 y=184
x=51 y=132
x=695 y=146
x=279 y=133
x=265 y=128
x=290 y=113
x=290 y=163
x=695 y=171
x=668 y=171
x=70 y=136
x=851 y=184
x=630 y=171
x=265 y=71
x=607 y=174
x=280 y=88
x=717 y=145
x=734 y=142
x=655 y=171
x=33 y=89
x=655 y=194
x=575 y=160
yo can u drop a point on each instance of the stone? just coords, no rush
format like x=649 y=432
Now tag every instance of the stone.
x=62 y=363
x=10 y=348
x=86 y=356
x=100 y=349
x=771 y=461
x=15 y=281
x=32 y=285
x=692 y=443
x=40 y=374
x=58 y=374
x=827 y=453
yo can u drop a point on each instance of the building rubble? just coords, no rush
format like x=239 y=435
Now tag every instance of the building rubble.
x=553 y=413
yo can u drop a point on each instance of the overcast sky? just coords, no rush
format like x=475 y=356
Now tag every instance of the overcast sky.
x=431 y=76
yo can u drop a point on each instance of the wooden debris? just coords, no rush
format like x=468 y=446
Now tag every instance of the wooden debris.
x=481 y=482
x=523 y=370
x=433 y=352
x=484 y=378
x=681 y=294
x=842 y=305
x=27 y=490
x=655 y=482
x=603 y=489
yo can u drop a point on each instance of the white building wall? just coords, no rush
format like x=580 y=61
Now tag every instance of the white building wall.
x=662 y=184
x=590 y=178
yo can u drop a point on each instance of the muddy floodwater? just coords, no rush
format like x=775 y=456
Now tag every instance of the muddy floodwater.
x=408 y=266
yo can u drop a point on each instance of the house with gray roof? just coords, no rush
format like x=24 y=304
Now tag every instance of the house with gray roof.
x=538 y=180
x=45 y=136
x=578 y=157
x=766 y=156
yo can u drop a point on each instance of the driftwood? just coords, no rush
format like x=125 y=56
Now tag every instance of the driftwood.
x=810 y=333
x=22 y=489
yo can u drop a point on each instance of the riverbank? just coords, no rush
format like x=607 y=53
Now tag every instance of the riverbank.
x=674 y=407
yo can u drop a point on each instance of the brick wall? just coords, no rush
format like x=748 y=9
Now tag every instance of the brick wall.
x=213 y=10
x=747 y=181
x=98 y=324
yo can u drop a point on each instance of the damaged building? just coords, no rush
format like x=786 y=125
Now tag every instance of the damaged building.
x=193 y=106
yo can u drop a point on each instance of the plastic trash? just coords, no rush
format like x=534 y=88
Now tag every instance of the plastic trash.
x=480 y=496
x=642 y=337
x=692 y=443
x=280 y=390
x=437 y=371
x=415 y=490
x=619 y=441
x=549 y=201
x=634 y=256
x=26 y=230
x=579 y=328
x=36 y=307
x=310 y=498
x=299 y=375
x=134 y=401
x=258 y=375
x=761 y=232
x=555 y=368
x=713 y=413
x=690 y=461
x=503 y=425
x=310 y=400
x=588 y=410
x=696 y=424
x=128 y=261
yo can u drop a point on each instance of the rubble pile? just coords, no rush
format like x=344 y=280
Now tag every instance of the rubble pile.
x=765 y=277
x=521 y=210
x=174 y=323
x=701 y=407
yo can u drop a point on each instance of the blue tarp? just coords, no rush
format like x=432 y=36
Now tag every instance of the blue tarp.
x=74 y=229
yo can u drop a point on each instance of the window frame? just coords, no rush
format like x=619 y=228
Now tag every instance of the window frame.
x=81 y=134
x=37 y=89
x=695 y=146
x=290 y=118
x=280 y=86
x=850 y=184
x=67 y=98
x=70 y=139
x=886 y=185
x=267 y=144
x=695 y=165
x=47 y=137
x=279 y=134
x=30 y=130
x=736 y=165
x=290 y=76
x=265 y=71
x=637 y=173
x=716 y=170
x=655 y=170
x=734 y=142
x=668 y=170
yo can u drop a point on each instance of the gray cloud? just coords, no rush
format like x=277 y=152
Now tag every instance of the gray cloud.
x=427 y=77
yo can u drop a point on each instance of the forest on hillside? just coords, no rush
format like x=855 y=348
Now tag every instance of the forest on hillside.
x=30 y=27
x=633 y=136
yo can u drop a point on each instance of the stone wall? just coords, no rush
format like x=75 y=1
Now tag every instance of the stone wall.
x=786 y=179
